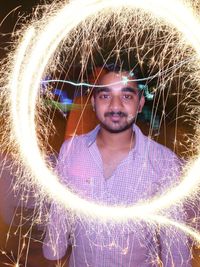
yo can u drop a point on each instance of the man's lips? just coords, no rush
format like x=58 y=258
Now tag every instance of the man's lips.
x=115 y=116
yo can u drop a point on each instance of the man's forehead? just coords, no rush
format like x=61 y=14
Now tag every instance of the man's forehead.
x=118 y=79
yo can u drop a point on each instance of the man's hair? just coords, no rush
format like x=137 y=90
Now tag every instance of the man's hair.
x=100 y=71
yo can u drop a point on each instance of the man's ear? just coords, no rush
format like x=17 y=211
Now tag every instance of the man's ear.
x=92 y=102
x=141 y=104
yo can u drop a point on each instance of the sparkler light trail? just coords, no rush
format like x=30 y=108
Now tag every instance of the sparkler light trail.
x=39 y=49
x=25 y=74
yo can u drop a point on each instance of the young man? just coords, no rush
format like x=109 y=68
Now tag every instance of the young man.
x=115 y=164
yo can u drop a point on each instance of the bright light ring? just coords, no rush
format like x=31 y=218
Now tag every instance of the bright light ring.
x=32 y=57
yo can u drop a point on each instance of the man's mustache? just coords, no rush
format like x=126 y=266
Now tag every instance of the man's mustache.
x=118 y=113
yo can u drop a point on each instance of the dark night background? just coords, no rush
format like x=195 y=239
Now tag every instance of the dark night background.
x=10 y=13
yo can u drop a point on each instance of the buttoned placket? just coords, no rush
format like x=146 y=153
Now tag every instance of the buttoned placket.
x=102 y=187
x=99 y=183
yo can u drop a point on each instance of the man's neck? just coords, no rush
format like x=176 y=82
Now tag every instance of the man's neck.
x=116 y=141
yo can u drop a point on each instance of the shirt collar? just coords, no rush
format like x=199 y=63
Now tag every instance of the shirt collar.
x=91 y=136
x=139 y=138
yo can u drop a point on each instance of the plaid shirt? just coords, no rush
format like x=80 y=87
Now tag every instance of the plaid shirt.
x=148 y=170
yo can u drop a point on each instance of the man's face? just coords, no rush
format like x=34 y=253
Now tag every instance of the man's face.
x=117 y=102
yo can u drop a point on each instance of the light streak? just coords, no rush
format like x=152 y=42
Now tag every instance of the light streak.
x=93 y=85
x=36 y=52
x=124 y=81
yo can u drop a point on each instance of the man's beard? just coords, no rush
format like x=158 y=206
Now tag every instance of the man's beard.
x=130 y=121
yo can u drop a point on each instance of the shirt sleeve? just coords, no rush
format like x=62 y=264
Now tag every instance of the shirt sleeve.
x=57 y=234
x=174 y=244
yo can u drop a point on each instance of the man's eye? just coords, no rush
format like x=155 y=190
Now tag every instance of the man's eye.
x=128 y=96
x=104 y=96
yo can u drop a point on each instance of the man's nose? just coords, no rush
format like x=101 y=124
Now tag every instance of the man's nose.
x=116 y=103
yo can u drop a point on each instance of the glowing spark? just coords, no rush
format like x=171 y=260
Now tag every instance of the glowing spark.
x=32 y=57
x=125 y=80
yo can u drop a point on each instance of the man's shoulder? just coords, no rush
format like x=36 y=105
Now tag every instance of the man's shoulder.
x=72 y=147
x=78 y=141
x=165 y=163
x=75 y=140
x=155 y=150
x=160 y=151
x=159 y=147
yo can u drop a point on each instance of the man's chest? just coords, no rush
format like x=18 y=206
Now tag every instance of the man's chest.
x=129 y=181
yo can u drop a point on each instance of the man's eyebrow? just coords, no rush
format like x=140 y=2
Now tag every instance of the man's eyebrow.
x=129 y=89
x=108 y=90
x=102 y=89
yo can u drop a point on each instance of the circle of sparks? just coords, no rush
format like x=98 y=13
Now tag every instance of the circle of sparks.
x=31 y=59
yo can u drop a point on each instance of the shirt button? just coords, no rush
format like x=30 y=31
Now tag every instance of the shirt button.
x=88 y=180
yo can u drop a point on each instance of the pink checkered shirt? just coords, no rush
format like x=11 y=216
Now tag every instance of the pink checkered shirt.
x=148 y=170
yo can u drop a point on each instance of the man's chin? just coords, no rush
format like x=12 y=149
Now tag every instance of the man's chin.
x=118 y=129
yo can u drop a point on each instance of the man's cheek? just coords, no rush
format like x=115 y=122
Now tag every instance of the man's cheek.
x=130 y=117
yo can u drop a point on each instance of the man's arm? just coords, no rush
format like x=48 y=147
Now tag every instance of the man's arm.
x=58 y=228
x=174 y=244
x=175 y=250
x=64 y=262
x=56 y=239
